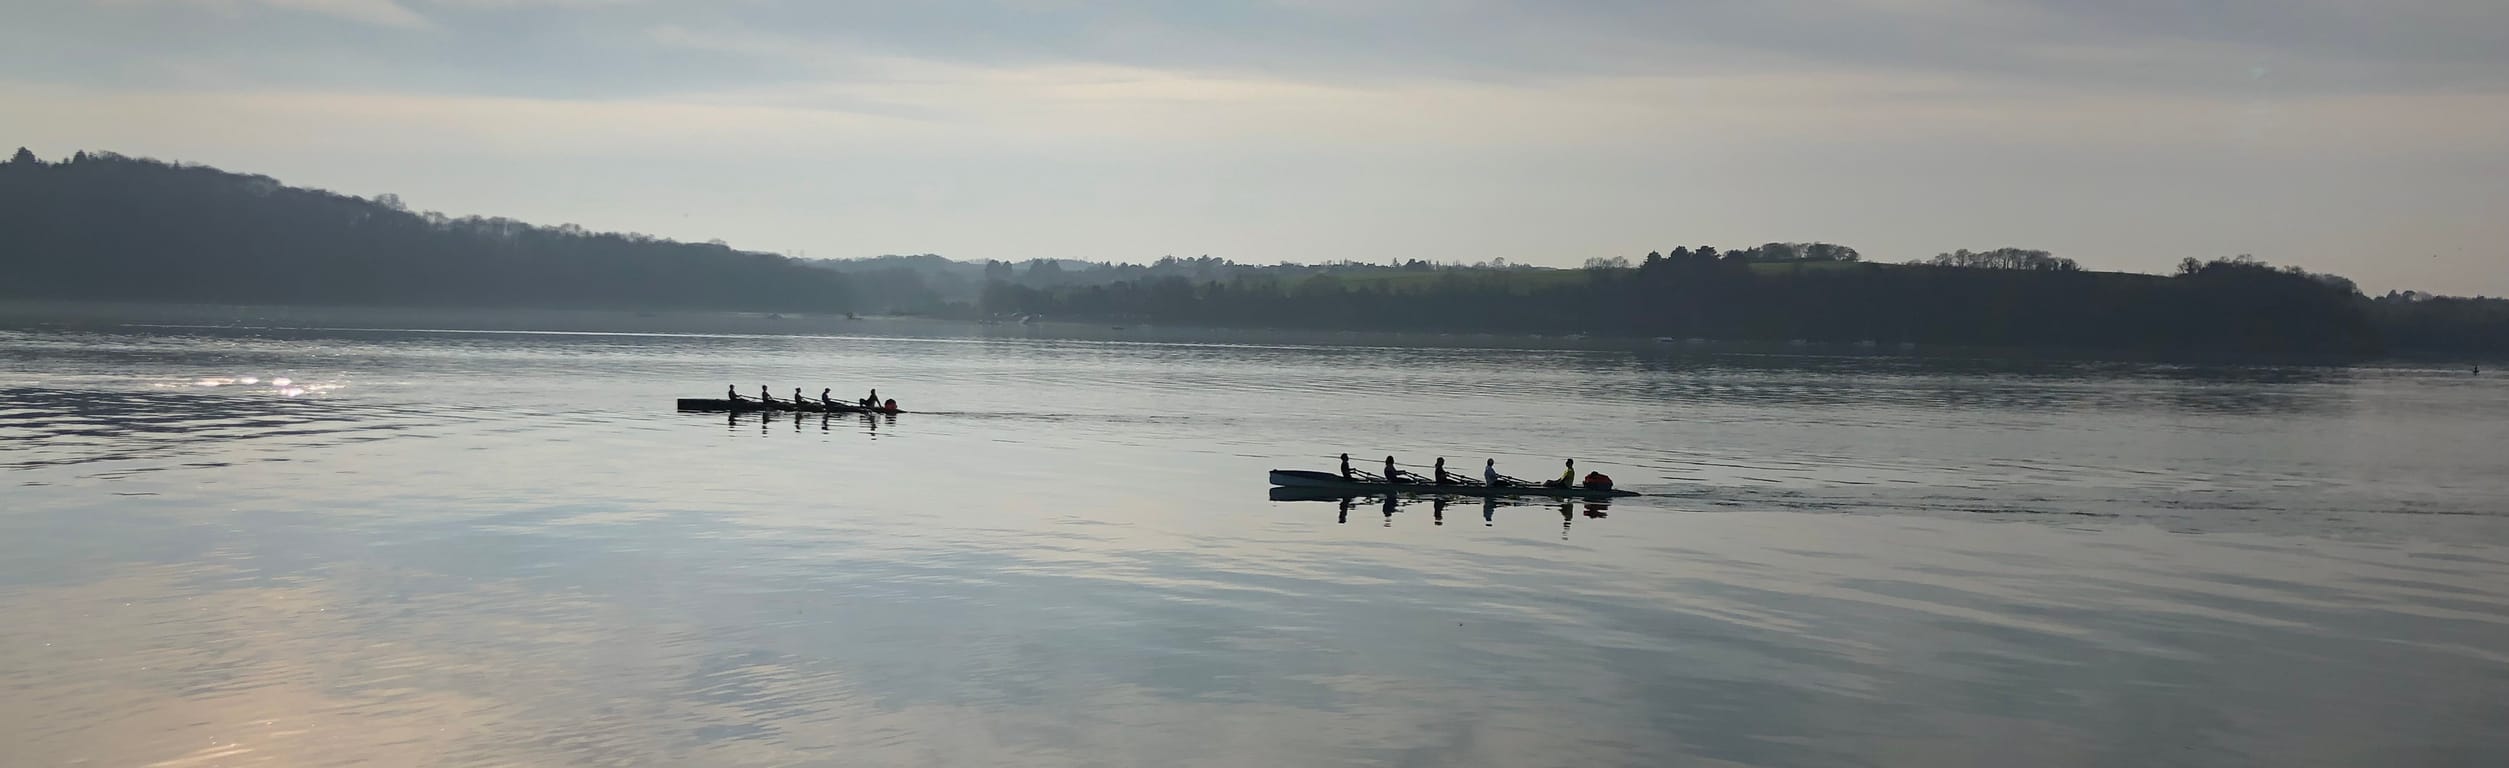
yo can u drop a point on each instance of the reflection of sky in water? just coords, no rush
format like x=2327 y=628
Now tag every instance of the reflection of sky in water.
x=501 y=550
x=278 y=385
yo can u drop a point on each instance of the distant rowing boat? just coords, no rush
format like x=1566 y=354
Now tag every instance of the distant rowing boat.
x=1327 y=481
x=784 y=406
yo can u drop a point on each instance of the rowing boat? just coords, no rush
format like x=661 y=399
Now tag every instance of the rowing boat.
x=1418 y=493
x=783 y=406
x=1327 y=481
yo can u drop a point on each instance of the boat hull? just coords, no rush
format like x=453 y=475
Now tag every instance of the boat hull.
x=1330 y=482
x=748 y=406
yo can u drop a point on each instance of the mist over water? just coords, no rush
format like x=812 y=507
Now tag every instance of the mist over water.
x=449 y=546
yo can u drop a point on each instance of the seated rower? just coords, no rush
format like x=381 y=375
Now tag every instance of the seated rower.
x=824 y=401
x=733 y=392
x=798 y=400
x=1442 y=477
x=1567 y=477
x=763 y=397
x=1395 y=474
x=1491 y=477
x=1347 y=474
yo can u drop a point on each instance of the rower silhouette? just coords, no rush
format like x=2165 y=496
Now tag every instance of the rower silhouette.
x=1395 y=474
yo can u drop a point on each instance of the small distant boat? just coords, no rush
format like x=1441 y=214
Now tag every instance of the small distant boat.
x=746 y=406
x=1327 y=481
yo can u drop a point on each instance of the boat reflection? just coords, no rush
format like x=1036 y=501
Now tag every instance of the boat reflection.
x=870 y=423
x=1386 y=504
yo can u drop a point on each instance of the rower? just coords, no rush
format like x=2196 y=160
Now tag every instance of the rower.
x=873 y=401
x=1567 y=477
x=1489 y=473
x=1346 y=473
x=798 y=400
x=733 y=391
x=1396 y=475
x=823 y=399
x=1442 y=477
x=763 y=397
x=889 y=405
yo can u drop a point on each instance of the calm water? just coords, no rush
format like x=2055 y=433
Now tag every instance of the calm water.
x=456 y=548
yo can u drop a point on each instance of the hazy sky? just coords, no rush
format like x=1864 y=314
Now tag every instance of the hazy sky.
x=2369 y=139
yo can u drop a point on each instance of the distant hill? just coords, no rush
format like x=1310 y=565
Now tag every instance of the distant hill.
x=2234 y=308
x=107 y=227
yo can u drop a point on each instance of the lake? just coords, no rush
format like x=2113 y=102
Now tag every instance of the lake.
x=226 y=542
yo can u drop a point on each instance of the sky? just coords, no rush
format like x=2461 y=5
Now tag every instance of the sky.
x=2366 y=139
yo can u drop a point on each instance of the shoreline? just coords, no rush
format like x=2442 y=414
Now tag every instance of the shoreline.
x=97 y=316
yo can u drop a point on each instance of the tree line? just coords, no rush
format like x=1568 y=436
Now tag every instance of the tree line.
x=2228 y=308
x=104 y=226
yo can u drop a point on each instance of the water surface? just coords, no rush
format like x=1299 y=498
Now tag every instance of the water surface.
x=449 y=546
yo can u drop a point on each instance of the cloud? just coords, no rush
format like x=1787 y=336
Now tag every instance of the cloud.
x=579 y=48
x=384 y=13
x=380 y=12
x=911 y=102
x=514 y=4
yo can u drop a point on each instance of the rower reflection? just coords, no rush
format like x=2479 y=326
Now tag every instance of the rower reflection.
x=1568 y=514
x=1387 y=504
x=870 y=422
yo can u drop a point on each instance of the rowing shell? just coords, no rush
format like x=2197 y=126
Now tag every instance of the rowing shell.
x=746 y=406
x=1327 y=481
